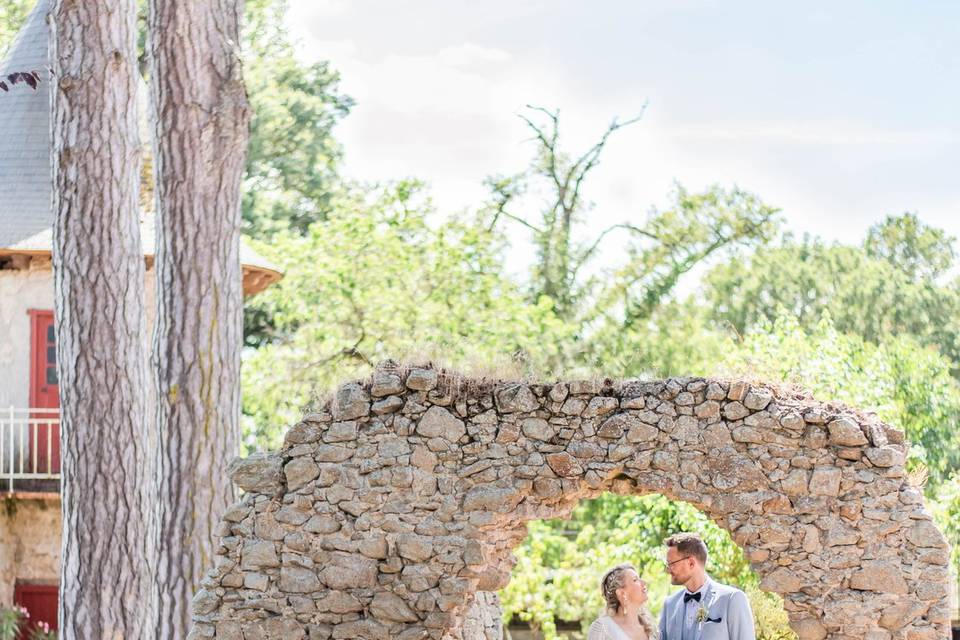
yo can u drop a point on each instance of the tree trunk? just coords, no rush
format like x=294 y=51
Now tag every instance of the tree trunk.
x=201 y=131
x=101 y=360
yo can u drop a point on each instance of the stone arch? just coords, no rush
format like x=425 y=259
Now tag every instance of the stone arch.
x=386 y=513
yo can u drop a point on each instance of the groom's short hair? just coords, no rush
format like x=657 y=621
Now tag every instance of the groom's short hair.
x=689 y=544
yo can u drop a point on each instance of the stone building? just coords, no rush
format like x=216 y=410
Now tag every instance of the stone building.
x=29 y=425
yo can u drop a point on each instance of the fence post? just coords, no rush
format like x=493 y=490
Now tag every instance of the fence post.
x=10 y=429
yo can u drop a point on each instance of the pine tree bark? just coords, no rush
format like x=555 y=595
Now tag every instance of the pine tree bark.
x=201 y=132
x=101 y=360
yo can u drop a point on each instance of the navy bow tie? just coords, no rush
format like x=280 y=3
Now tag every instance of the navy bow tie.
x=687 y=597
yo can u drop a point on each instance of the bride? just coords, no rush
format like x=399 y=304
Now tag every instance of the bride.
x=627 y=616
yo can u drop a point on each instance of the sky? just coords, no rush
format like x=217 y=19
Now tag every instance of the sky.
x=839 y=113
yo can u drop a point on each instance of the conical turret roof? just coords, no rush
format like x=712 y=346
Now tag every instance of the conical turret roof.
x=25 y=169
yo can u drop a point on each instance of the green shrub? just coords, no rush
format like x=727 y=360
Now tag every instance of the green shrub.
x=10 y=621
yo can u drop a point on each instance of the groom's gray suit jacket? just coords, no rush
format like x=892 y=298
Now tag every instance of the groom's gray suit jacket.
x=728 y=615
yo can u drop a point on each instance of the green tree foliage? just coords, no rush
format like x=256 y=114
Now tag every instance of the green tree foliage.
x=679 y=338
x=918 y=250
x=622 y=314
x=293 y=156
x=769 y=617
x=891 y=285
x=717 y=223
x=292 y=159
x=380 y=309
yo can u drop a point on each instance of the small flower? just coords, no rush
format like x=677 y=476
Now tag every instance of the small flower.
x=701 y=614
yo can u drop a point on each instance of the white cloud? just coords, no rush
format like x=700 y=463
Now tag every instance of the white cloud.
x=314 y=10
x=468 y=54
x=313 y=49
x=813 y=133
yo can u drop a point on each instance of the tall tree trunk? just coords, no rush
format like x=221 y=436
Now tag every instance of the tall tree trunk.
x=201 y=131
x=101 y=359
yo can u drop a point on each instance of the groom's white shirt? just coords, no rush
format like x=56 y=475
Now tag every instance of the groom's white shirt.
x=728 y=615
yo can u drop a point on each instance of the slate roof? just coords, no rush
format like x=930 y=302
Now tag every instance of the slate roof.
x=25 y=182
x=26 y=215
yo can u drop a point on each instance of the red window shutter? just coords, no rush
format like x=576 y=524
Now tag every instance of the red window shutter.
x=44 y=386
x=44 y=437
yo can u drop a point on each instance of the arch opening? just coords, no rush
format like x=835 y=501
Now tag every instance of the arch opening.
x=553 y=590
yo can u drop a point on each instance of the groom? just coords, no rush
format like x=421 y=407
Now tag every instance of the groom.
x=704 y=609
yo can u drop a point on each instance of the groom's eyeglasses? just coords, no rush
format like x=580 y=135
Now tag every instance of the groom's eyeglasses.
x=670 y=564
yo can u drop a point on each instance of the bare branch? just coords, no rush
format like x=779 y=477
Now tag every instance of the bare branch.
x=551 y=144
x=591 y=157
x=351 y=351
x=560 y=255
x=518 y=219
x=596 y=243
x=501 y=210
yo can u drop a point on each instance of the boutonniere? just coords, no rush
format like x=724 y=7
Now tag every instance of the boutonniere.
x=701 y=614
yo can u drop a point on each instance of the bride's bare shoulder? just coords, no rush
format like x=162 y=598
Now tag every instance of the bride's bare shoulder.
x=597 y=623
x=596 y=630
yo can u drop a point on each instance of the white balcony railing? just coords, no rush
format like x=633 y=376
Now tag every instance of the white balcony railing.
x=29 y=449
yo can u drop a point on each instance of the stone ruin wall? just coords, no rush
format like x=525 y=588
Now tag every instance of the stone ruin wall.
x=390 y=512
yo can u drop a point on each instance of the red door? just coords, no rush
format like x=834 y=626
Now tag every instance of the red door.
x=40 y=601
x=44 y=393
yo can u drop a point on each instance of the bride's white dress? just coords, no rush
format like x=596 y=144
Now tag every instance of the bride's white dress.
x=604 y=628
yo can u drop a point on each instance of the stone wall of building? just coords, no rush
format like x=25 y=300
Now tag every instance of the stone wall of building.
x=29 y=543
x=385 y=515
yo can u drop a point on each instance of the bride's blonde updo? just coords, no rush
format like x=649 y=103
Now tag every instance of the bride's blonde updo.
x=615 y=579
x=612 y=580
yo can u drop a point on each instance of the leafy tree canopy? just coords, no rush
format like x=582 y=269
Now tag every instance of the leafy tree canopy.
x=891 y=285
